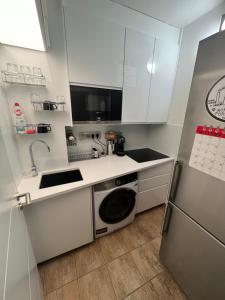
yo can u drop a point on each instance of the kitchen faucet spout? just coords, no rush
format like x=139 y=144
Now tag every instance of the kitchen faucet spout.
x=33 y=165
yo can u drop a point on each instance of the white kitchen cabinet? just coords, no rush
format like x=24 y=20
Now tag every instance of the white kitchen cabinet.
x=95 y=49
x=60 y=224
x=151 y=198
x=139 y=49
x=153 y=186
x=162 y=81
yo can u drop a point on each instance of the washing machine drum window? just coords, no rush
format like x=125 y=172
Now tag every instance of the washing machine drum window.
x=117 y=206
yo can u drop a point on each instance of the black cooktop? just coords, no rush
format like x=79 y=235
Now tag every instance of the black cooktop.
x=145 y=154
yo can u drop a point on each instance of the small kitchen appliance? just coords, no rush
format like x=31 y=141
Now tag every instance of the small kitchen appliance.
x=95 y=105
x=119 y=145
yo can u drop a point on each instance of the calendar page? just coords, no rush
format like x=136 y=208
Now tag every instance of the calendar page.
x=208 y=152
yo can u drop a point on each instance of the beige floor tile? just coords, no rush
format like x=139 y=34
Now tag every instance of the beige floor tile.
x=67 y=292
x=149 y=224
x=166 y=287
x=113 y=245
x=51 y=296
x=88 y=258
x=146 y=261
x=58 y=272
x=125 y=275
x=161 y=287
x=155 y=243
x=96 y=285
x=144 y=293
x=133 y=236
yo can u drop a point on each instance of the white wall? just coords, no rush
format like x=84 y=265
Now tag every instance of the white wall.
x=166 y=138
x=8 y=136
x=53 y=65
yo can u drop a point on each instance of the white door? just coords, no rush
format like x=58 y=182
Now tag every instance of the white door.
x=162 y=81
x=16 y=260
x=139 y=49
x=95 y=49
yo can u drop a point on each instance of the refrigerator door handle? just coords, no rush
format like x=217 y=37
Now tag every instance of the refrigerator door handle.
x=175 y=180
x=167 y=218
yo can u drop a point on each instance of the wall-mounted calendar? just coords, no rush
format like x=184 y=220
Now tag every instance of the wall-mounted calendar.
x=208 y=152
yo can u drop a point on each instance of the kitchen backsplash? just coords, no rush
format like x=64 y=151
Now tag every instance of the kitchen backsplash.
x=136 y=136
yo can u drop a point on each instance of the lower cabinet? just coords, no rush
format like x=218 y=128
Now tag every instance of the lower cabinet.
x=153 y=186
x=152 y=198
x=60 y=224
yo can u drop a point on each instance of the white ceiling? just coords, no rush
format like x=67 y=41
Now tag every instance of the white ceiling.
x=178 y=13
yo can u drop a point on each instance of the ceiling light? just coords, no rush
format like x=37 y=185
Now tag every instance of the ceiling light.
x=20 y=25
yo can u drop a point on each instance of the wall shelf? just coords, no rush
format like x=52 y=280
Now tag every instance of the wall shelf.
x=23 y=79
x=30 y=129
x=53 y=106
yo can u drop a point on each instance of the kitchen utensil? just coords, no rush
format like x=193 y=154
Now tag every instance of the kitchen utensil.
x=49 y=105
x=43 y=128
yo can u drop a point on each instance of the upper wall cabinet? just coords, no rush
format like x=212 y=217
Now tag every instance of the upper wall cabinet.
x=162 y=81
x=95 y=49
x=139 y=49
x=149 y=72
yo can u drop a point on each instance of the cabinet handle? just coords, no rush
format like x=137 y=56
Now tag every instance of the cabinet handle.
x=23 y=200
x=175 y=180
x=167 y=218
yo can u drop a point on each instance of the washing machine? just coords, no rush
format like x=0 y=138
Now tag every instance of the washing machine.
x=114 y=204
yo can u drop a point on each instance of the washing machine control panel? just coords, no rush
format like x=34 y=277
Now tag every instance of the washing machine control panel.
x=118 y=182
x=125 y=179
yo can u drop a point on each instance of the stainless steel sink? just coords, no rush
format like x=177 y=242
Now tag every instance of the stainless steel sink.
x=53 y=179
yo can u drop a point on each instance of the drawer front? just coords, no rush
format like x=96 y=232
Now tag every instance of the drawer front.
x=158 y=170
x=151 y=198
x=150 y=183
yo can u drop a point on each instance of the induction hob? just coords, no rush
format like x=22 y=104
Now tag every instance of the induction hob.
x=145 y=154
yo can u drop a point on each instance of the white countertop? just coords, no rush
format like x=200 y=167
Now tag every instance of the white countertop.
x=93 y=171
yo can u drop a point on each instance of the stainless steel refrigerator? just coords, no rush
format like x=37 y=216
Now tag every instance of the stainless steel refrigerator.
x=193 y=235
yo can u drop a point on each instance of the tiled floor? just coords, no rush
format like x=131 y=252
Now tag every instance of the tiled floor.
x=122 y=265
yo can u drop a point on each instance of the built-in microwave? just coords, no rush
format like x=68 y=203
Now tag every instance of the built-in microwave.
x=93 y=104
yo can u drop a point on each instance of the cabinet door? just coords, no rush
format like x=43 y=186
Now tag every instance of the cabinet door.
x=95 y=49
x=68 y=216
x=15 y=270
x=139 y=48
x=163 y=75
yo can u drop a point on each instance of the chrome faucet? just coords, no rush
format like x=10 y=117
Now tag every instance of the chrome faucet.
x=33 y=166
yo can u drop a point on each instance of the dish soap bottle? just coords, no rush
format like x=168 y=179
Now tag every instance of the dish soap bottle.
x=19 y=118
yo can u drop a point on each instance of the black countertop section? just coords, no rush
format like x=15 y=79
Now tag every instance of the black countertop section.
x=145 y=154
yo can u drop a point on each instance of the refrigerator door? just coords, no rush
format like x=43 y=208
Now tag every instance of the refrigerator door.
x=199 y=195
x=195 y=259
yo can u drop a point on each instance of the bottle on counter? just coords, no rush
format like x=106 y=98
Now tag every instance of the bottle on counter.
x=19 y=118
x=109 y=148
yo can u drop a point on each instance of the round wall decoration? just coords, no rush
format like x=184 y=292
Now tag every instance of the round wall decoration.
x=215 y=100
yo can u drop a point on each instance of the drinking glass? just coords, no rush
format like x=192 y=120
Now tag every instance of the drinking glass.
x=37 y=71
x=25 y=69
x=12 y=68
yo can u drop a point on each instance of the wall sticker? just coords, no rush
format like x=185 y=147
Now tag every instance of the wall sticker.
x=215 y=100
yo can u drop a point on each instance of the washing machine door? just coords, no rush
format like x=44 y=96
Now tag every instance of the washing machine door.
x=117 y=205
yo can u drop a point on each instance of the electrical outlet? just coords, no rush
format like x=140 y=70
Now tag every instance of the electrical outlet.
x=88 y=134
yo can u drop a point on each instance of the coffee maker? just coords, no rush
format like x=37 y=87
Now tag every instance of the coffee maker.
x=119 y=145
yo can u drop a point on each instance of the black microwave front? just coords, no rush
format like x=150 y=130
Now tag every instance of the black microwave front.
x=93 y=104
